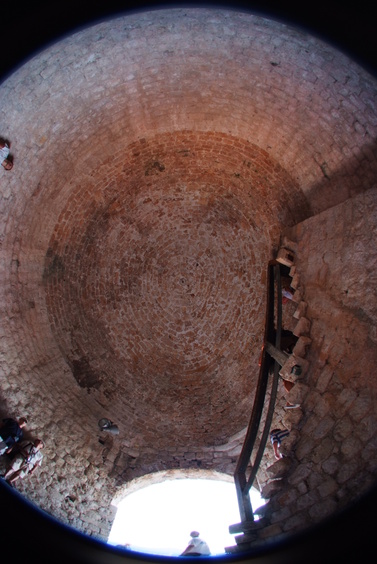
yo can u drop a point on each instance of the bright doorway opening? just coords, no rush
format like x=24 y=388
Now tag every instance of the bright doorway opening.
x=158 y=519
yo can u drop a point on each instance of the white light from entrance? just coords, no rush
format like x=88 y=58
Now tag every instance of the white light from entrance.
x=158 y=519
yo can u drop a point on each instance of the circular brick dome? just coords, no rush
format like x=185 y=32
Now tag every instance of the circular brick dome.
x=156 y=300
x=158 y=157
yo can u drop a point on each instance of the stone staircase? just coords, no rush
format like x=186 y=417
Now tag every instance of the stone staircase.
x=271 y=478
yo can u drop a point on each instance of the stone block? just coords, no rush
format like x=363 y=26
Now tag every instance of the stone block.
x=327 y=488
x=297 y=394
x=301 y=310
x=331 y=465
x=271 y=488
x=351 y=447
x=301 y=473
x=292 y=418
x=287 y=371
x=301 y=345
x=279 y=516
x=297 y=297
x=233 y=549
x=271 y=531
x=241 y=527
x=246 y=539
x=288 y=444
x=279 y=469
x=297 y=521
x=286 y=498
x=295 y=281
x=262 y=511
x=247 y=526
x=285 y=256
x=302 y=327
x=289 y=244
x=322 y=510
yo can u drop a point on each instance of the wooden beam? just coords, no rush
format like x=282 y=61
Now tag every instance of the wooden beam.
x=278 y=355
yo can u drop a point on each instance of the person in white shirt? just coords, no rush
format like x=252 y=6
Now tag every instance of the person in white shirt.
x=27 y=459
x=4 y=153
x=196 y=546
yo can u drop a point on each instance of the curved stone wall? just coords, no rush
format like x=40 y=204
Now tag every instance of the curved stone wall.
x=157 y=159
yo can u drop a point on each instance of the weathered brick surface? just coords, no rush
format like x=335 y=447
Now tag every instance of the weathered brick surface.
x=157 y=158
x=333 y=460
x=169 y=267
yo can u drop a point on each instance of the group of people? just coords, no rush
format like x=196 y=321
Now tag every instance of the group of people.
x=6 y=161
x=25 y=455
x=288 y=341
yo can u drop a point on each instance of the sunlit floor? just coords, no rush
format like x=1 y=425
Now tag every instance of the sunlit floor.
x=158 y=519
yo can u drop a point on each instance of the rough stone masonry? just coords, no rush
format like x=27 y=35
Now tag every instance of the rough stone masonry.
x=159 y=158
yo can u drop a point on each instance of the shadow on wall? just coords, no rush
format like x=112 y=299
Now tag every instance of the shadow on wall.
x=358 y=174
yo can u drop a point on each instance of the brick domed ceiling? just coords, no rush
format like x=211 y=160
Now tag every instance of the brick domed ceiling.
x=158 y=159
x=154 y=279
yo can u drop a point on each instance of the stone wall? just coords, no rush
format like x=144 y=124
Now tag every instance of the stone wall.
x=330 y=456
x=267 y=126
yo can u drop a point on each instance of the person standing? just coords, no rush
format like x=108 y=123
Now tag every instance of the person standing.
x=4 y=153
x=277 y=436
x=10 y=433
x=27 y=459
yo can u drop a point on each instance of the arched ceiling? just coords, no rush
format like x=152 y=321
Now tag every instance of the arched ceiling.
x=157 y=300
x=158 y=156
x=249 y=123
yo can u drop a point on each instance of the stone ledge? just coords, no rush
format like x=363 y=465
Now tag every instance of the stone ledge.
x=302 y=327
x=301 y=310
x=286 y=370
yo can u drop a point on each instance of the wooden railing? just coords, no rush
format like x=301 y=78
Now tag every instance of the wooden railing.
x=271 y=358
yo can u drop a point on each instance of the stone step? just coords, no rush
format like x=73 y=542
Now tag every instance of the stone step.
x=271 y=488
x=288 y=372
x=297 y=297
x=247 y=526
x=278 y=469
x=301 y=310
x=295 y=281
x=298 y=393
x=302 y=327
x=246 y=538
x=288 y=244
x=285 y=256
x=234 y=549
x=300 y=347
